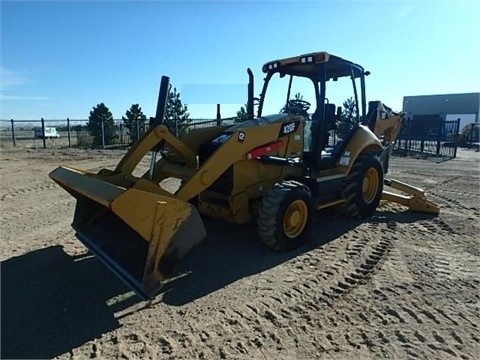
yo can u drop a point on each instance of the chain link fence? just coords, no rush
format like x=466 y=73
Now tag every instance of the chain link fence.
x=431 y=136
x=74 y=133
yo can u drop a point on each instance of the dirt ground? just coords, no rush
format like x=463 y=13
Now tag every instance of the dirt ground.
x=399 y=285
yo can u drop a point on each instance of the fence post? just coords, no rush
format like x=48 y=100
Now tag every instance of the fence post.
x=43 y=134
x=121 y=133
x=176 y=127
x=68 y=131
x=219 y=116
x=440 y=133
x=103 y=134
x=13 y=132
x=457 y=131
x=422 y=141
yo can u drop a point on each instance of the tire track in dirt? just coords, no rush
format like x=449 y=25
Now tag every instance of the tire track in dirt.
x=34 y=216
x=284 y=310
x=27 y=210
x=404 y=313
x=462 y=197
x=414 y=317
x=449 y=260
x=34 y=190
x=410 y=323
x=285 y=318
x=43 y=224
x=426 y=319
x=362 y=257
x=450 y=202
x=419 y=299
x=298 y=308
x=361 y=272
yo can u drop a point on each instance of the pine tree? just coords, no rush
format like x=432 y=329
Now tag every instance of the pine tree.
x=348 y=118
x=101 y=114
x=176 y=114
x=242 y=114
x=134 y=122
x=349 y=112
x=298 y=96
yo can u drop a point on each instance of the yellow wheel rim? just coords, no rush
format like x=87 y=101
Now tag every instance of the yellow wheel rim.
x=370 y=185
x=295 y=219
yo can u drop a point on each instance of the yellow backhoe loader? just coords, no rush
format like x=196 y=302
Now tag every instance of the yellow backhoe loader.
x=276 y=169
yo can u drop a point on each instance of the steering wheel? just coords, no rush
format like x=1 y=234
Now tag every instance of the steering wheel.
x=298 y=106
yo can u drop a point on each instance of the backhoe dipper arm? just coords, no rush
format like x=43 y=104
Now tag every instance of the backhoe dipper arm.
x=390 y=126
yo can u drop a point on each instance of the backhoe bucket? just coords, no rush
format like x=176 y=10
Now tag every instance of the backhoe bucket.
x=139 y=235
x=416 y=200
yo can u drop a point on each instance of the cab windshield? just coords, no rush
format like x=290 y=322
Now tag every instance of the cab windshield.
x=279 y=93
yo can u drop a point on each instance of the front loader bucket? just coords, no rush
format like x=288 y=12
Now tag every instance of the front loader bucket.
x=139 y=235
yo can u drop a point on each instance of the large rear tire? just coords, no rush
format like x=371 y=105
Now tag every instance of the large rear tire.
x=363 y=187
x=285 y=216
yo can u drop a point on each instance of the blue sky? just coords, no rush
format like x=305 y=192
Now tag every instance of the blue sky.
x=61 y=58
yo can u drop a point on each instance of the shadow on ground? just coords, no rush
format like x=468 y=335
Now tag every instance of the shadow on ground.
x=52 y=303
x=231 y=252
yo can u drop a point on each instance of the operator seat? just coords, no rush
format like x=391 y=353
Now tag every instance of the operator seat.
x=372 y=114
x=330 y=120
x=328 y=154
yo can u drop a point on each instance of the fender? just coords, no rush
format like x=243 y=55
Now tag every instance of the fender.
x=363 y=140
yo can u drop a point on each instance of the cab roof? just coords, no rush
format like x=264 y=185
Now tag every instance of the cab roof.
x=309 y=65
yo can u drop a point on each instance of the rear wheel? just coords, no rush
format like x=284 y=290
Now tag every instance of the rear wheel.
x=363 y=187
x=285 y=216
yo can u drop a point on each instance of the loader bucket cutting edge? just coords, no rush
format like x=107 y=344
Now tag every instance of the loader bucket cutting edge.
x=139 y=236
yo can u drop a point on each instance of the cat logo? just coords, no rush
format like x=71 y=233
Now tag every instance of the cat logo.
x=241 y=136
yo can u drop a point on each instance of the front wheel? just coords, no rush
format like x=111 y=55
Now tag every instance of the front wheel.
x=363 y=187
x=285 y=216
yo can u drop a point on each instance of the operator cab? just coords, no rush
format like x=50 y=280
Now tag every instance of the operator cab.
x=315 y=86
